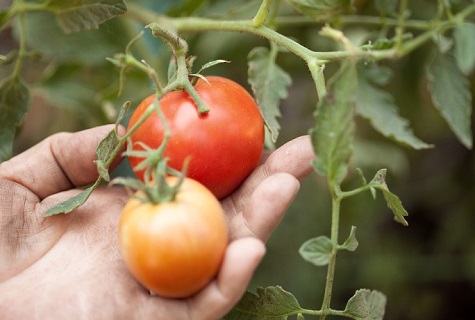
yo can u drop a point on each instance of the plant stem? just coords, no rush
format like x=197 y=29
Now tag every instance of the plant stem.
x=180 y=50
x=441 y=27
x=332 y=259
x=130 y=60
x=401 y=24
x=316 y=70
x=190 y=24
x=203 y=24
x=261 y=14
x=329 y=312
x=145 y=16
x=22 y=46
x=346 y=194
x=444 y=8
x=193 y=24
x=202 y=107
x=160 y=169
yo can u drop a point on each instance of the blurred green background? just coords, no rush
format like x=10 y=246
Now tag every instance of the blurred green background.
x=427 y=270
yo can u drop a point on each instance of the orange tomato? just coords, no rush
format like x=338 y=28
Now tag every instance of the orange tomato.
x=174 y=248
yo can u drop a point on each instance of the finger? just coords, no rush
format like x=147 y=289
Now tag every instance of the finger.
x=269 y=203
x=241 y=260
x=58 y=163
x=294 y=158
x=266 y=208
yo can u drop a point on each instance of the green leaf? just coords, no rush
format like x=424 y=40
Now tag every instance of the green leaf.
x=271 y=303
x=14 y=103
x=317 y=250
x=72 y=203
x=379 y=108
x=269 y=83
x=464 y=37
x=212 y=64
x=395 y=205
x=366 y=305
x=377 y=75
x=76 y=15
x=332 y=135
x=85 y=47
x=380 y=177
x=321 y=9
x=104 y=153
x=393 y=202
x=450 y=92
x=350 y=243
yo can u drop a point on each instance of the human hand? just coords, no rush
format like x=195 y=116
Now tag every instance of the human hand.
x=69 y=266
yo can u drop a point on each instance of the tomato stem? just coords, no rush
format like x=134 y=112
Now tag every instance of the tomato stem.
x=316 y=70
x=194 y=24
x=261 y=14
x=127 y=59
x=170 y=36
x=401 y=24
x=202 y=107
x=155 y=186
x=180 y=50
x=335 y=223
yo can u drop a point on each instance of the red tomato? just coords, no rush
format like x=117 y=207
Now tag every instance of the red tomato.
x=174 y=248
x=224 y=145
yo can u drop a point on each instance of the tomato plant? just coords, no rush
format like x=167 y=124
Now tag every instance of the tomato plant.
x=371 y=64
x=224 y=144
x=174 y=248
